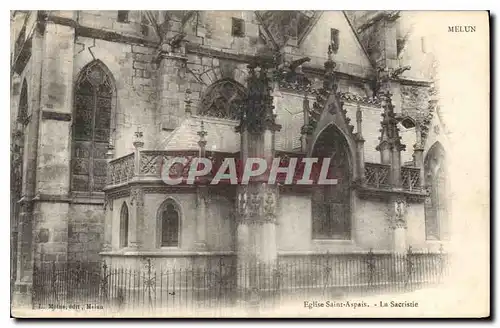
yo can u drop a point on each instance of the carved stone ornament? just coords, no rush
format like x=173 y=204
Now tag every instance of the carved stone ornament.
x=108 y=203
x=242 y=203
x=436 y=129
x=270 y=204
x=400 y=208
x=137 y=197
x=255 y=204
x=397 y=214
x=203 y=196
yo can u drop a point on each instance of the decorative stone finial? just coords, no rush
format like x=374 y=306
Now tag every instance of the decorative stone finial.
x=202 y=142
x=359 y=121
x=329 y=80
x=111 y=148
x=188 y=102
x=138 y=142
x=257 y=112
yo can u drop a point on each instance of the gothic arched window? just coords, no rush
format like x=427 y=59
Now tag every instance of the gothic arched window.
x=331 y=214
x=222 y=100
x=17 y=151
x=94 y=96
x=169 y=224
x=124 y=226
x=435 y=204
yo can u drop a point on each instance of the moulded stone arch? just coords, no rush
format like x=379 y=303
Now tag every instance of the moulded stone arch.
x=435 y=158
x=23 y=107
x=436 y=183
x=221 y=99
x=124 y=225
x=94 y=119
x=332 y=128
x=331 y=204
x=332 y=116
x=168 y=204
x=226 y=70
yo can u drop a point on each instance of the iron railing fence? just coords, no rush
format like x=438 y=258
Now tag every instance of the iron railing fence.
x=227 y=286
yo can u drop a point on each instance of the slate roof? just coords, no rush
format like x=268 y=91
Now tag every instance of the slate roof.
x=221 y=135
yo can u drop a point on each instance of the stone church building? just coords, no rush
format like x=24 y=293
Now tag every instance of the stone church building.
x=100 y=99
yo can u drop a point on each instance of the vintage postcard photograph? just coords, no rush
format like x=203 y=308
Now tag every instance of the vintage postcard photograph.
x=249 y=164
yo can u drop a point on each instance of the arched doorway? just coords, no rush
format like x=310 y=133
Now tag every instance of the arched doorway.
x=436 y=212
x=331 y=204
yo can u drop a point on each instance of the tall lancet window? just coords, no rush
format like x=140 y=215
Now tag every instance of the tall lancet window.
x=124 y=226
x=17 y=150
x=169 y=224
x=331 y=214
x=436 y=214
x=222 y=100
x=93 y=101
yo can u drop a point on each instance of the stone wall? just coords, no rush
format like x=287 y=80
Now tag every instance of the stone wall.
x=370 y=227
x=50 y=231
x=154 y=103
x=85 y=232
x=350 y=59
x=133 y=74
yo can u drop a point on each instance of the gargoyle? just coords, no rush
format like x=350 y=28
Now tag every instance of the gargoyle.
x=296 y=63
x=398 y=71
x=175 y=41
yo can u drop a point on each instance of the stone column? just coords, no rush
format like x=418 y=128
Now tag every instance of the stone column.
x=136 y=224
x=202 y=193
x=136 y=213
x=171 y=59
x=257 y=201
x=418 y=153
x=390 y=146
x=398 y=223
x=25 y=229
x=306 y=133
x=396 y=166
x=360 y=145
x=108 y=208
x=54 y=148
x=24 y=248
x=108 y=225
x=47 y=166
x=202 y=196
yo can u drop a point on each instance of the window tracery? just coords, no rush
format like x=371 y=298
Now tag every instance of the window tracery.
x=94 y=94
x=223 y=100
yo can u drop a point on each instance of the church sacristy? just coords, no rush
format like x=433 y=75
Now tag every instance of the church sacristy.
x=101 y=99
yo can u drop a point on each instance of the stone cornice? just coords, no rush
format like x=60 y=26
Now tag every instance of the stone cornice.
x=209 y=52
x=166 y=253
x=96 y=198
x=319 y=71
x=385 y=194
x=57 y=116
x=96 y=33
x=405 y=81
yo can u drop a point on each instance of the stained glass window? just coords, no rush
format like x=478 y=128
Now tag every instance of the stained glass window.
x=222 y=100
x=331 y=218
x=124 y=226
x=435 y=204
x=123 y=16
x=170 y=222
x=91 y=132
x=238 y=27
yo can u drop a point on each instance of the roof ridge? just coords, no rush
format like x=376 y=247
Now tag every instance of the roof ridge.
x=174 y=133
